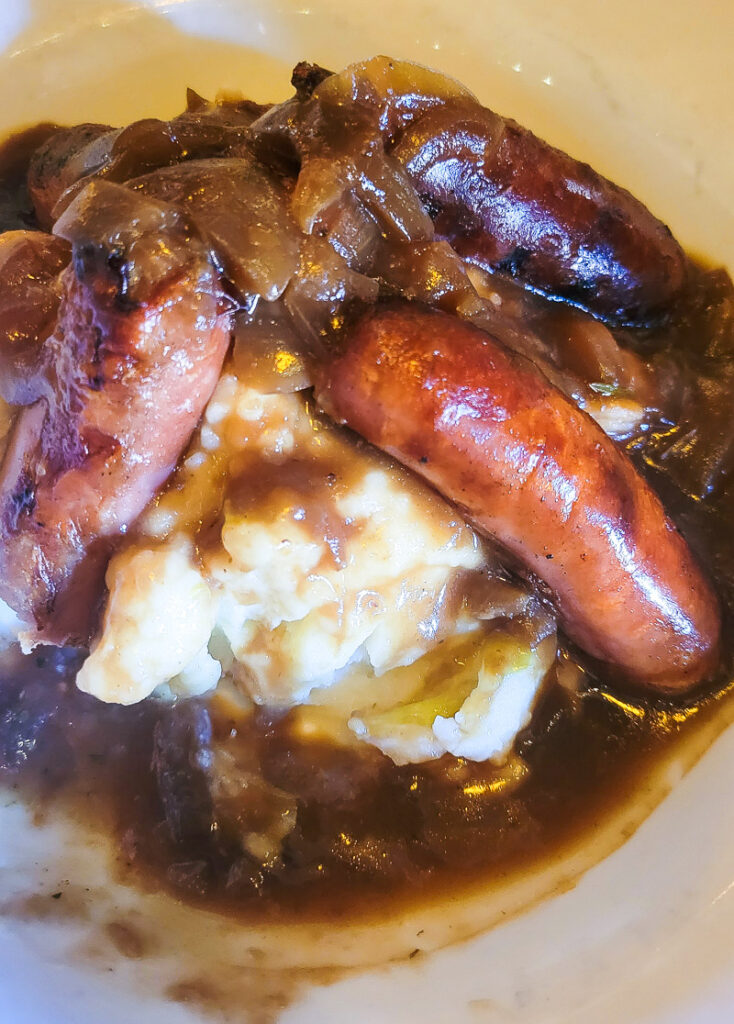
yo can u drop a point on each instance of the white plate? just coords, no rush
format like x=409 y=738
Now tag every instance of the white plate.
x=642 y=91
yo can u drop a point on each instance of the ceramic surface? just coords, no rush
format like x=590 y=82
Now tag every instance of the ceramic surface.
x=645 y=93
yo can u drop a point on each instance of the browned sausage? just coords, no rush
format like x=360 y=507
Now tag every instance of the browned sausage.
x=489 y=431
x=510 y=202
x=136 y=352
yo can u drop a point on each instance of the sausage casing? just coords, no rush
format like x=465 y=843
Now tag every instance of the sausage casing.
x=140 y=336
x=490 y=432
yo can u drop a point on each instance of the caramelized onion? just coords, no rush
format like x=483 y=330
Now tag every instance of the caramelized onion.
x=375 y=178
x=213 y=131
x=430 y=273
x=244 y=213
x=267 y=353
x=68 y=160
x=337 y=134
x=698 y=452
x=323 y=289
x=386 y=190
x=589 y=349
x=321 y=185
x=380 y=95
x=352 y=231
x=395 y=92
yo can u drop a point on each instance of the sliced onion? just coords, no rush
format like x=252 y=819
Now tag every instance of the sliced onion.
x=114 y=228
x=323 y=288
x=395 y=92
x=352 y=231
x=429 y=272
x=380 y=94
x=378 y=180
x=278 y=136
x=244 y=213
x=268 y=354
x=119 y=154
x=589 y=349
x=214 y=131
x=388 y=193
x=322 y=183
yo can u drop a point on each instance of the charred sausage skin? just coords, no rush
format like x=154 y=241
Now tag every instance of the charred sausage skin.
x=490 y=432
x=124 y=383
x=509 y=202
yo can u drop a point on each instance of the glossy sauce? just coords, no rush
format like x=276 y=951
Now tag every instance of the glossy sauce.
x=356 y=830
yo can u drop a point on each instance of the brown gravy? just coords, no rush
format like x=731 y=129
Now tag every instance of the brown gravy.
x=365 y=830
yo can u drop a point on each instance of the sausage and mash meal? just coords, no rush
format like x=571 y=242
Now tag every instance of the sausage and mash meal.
x=366 y=492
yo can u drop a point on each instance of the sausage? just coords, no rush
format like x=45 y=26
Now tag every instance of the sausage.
x=505 y=199
x=140 y=337
x=490 y=432
x=511 y=203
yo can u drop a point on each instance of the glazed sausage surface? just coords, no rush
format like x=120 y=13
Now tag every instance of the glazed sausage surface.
x=490 y=432
x=137 y=348
x=511 y=203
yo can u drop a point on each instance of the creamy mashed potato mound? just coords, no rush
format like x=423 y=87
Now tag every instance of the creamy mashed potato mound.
x=159 y=617
x=304 y=567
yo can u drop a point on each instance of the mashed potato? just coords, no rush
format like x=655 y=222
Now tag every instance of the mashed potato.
x=159 y=618
x=305 y=567
x=477 y=714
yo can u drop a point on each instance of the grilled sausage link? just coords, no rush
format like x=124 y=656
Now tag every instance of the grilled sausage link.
x=138 y=344
x=512 y=203
x=491 y=433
